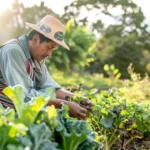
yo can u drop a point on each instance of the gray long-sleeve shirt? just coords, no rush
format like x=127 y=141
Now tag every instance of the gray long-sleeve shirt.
x=17 y=67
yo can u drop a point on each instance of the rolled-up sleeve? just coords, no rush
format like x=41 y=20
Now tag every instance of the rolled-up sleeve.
x=46 y=80
x=14 y=72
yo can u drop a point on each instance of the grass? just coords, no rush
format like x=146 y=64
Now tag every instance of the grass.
x=87 y=80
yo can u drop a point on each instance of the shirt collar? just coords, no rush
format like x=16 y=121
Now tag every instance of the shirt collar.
x=24 y=45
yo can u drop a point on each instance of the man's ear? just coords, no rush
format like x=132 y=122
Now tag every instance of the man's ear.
x=35 y=39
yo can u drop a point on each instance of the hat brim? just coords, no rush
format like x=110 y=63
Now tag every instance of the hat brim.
x=62 y=43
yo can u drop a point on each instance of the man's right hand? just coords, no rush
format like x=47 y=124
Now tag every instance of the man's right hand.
x=77 y=111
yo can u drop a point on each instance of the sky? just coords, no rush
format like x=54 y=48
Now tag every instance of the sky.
x=57 y=6
x=145 y=5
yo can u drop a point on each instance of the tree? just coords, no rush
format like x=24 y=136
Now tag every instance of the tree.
x=130 y=14
x=121 y=43
x=81 y=44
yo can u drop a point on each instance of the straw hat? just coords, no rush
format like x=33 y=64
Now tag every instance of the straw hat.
x=51 y=28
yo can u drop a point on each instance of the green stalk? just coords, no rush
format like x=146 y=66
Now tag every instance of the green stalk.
x=112 y=138
x=106 y=145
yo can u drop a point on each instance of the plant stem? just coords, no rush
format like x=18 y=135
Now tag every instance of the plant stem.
x=128 y=141
x=112 y=138
x=106 y=145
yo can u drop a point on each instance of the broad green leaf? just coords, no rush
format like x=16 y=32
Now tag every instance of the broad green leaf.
x=32 y=110
x=27 y=112
x=16 y=94
x=72 y=131
x=107 y=123
x=73 y=140
x=42 y=136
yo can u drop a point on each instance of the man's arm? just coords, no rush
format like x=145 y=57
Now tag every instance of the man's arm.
x=46 y=81
x=75 y=109
x=85 y=102
x=61 y=94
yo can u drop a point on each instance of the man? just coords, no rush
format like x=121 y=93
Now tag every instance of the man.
x=22 y=62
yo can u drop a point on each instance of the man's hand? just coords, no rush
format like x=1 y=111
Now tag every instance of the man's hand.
x=86 y=103
x=77 y=111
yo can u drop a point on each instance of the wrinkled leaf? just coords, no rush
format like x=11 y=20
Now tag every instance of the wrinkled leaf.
x=41 y=135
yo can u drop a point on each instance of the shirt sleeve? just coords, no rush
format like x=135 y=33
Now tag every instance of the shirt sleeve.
x=43 y=78
x=46 y=80
x=14 y=73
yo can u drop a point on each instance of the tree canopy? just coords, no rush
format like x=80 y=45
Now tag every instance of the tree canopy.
x=124 y=41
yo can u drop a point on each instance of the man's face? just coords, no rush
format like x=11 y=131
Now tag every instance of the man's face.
x=42 y=50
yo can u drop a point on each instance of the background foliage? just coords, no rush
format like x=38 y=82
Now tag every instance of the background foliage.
x=92 y=43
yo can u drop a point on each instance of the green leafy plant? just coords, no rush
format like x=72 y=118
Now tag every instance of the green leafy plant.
x=39 y=127
x=112 y=71
x=114 y=118
x=27 y=112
